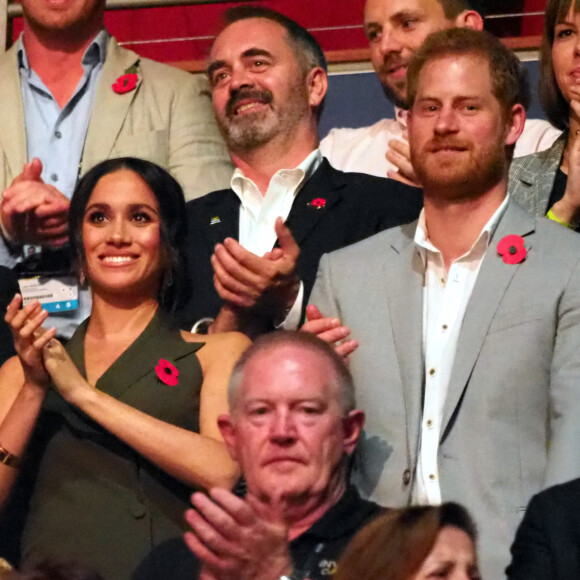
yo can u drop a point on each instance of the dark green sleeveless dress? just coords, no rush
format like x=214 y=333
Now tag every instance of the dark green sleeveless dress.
x=96 y=500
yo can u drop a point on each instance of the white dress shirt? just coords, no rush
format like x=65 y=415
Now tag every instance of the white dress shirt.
x=363 y=150
x=258 y=213
x=445 y=298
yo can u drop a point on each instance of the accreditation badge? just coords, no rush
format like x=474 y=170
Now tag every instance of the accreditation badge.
x=47 y=276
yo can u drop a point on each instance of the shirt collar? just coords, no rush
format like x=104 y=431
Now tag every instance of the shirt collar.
x=300 y=174
x=423 y=243
x=96 y=52
x=348 y=514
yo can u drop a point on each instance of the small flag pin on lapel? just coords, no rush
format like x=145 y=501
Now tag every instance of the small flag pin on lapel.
x=214 y=220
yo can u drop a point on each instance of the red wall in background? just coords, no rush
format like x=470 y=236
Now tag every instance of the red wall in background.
x=532 y=25
x=202 y=21
x=336 y=24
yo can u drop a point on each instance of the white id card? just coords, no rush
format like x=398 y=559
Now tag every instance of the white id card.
x=56 y=294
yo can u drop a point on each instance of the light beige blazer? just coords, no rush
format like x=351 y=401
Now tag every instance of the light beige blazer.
x=167 y=119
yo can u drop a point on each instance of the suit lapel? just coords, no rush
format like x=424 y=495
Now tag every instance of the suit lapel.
x=12 y=125
x=110 y=108
x=490 y=287
x=325 y=185
x=532 y=177
x=404 y=290
x=157 y=341
x=220 y=216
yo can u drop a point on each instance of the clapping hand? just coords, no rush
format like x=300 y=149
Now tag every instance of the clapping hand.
x=399 y=154
x=30 y=338
x=267 y=284
x=65 y=376
x=33 y=212
x=330 y=330
x=238 y=539
x=567 y=209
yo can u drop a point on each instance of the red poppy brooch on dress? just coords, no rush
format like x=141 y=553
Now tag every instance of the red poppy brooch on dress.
x=512 y=249
x=318 y=202
x=127 y=81
x=167 y=373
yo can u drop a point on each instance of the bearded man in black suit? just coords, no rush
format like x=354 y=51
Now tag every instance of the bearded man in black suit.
x=253 y=250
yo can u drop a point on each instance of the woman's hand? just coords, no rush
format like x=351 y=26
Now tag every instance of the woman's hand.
x=330 y=330
x=30 y=338
x=66 y=378
x=399 y=155
x=567 y=209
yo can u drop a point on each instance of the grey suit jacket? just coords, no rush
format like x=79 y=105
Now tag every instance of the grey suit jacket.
x=511 y=414
x=167 y=119
x=532 y=177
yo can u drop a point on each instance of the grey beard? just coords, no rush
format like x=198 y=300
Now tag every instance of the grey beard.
x=249 y=136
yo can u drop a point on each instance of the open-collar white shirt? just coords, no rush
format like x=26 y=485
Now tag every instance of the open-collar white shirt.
x=445 y=298
x=258 y=213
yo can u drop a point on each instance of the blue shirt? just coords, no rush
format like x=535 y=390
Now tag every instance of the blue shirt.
x=57 y=137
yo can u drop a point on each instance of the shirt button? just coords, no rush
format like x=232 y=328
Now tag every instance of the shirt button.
x=444 y=327
x=429 y=423
x=54 y=177
x=58 y=134
x=138 y=511
x=406 y=476
x=443 y=281
x=431 y=372
x=432 y=477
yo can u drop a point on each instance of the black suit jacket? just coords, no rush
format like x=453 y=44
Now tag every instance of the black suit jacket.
x=355 y=206
x=547 y=544
x=8 y=287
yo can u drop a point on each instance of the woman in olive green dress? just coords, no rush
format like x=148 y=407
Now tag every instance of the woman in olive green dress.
x=124 y=424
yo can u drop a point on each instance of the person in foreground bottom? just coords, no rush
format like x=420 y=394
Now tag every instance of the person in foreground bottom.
x=292 y=427
x=414 y=543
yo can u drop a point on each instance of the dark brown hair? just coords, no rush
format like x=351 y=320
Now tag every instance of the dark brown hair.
x=508 y=76
x=395 y=544
x=453 y=8
x=553 y=102
x=173 y=227
x=305 y=46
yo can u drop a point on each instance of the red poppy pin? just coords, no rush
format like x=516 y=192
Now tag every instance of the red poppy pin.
x=167 y=373
x=512 y=249
x=127 y=81
x=318 y=202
